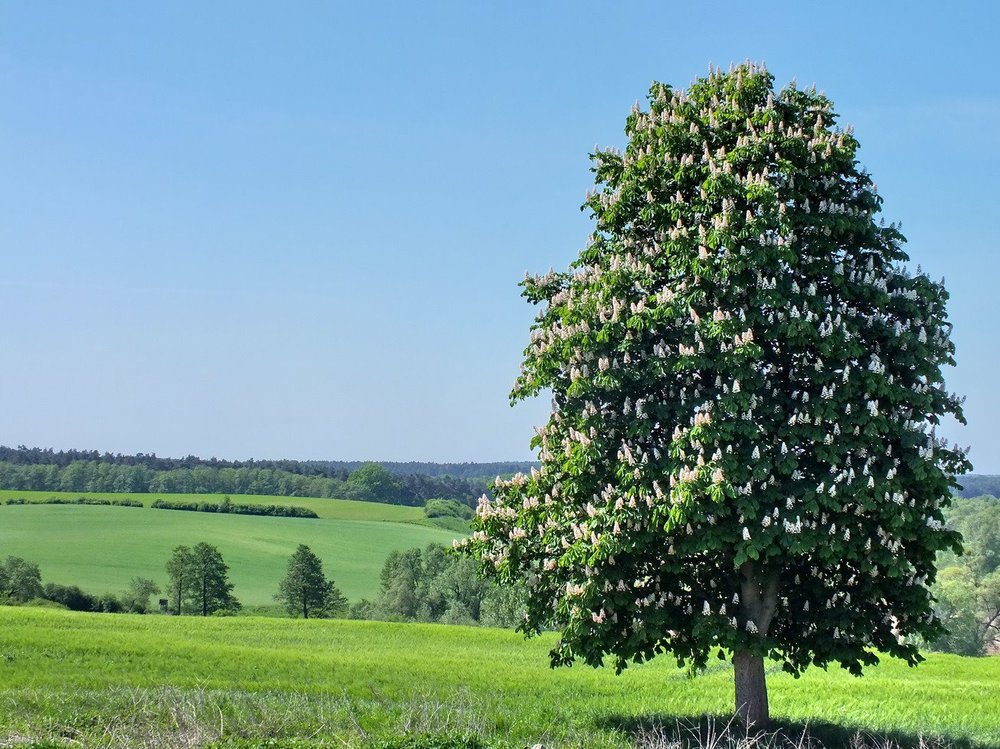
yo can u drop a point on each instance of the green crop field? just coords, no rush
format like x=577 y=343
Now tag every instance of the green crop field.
x=334 y=509
x=123 y=680
x=100 y=548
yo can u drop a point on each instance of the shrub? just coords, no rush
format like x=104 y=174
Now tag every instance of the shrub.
x=283 y=511
x=439 y=508
x=71 y=597
x=126 y=502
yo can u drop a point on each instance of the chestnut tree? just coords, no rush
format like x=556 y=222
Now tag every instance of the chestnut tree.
x=741 y=457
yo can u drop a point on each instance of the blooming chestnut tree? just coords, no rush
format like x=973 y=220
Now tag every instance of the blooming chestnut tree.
x=741 y=456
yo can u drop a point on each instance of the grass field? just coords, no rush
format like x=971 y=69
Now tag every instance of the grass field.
x=117 y=680
x=101 y=548
x=332 y=509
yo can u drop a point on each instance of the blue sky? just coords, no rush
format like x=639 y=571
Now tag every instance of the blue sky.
x=240 y=230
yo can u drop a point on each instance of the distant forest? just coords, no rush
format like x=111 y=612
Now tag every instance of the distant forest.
x=978 y=484
x=24 y=468
x=39 y=469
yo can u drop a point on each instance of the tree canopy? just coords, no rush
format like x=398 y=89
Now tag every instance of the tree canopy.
x=397 y=483
x=199 y=580
x=305 y=590
x=968 y=585
x=20 y=580
x=741 y=454
x=434 y=585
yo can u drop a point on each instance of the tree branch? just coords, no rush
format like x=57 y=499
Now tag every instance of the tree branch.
x=760 y=597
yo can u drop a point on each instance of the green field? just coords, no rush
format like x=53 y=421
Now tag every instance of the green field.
x=100 y=548
x=123 y=680
x=334 y=509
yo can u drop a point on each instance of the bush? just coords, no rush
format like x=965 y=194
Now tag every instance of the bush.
x=449 y=514
x=71 y=597
x=439 y=508
x=226 y=507
x=363 y=609
x=45 y=603
x=124 y=502
x=109 y=604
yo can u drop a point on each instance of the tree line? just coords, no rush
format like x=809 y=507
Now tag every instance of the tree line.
x=978 y=485
x=967 y=588
x=370 y=482
x=198 y=584
x=339 y=469
x=21 y=582
x=228 y=507
x=416 y=585
x=434 y=585
x=478 y=471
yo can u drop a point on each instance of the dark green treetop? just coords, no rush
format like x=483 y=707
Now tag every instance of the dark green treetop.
x=305 y=590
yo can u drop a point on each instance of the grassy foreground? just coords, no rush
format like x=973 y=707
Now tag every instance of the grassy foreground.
x=100 y=548
x=116 y=681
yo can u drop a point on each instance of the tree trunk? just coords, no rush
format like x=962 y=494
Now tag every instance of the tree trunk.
x=751 y=690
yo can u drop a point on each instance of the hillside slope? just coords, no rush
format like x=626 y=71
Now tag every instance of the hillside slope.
x=101 y=548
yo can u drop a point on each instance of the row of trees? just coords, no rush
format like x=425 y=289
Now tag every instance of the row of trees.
x=433 y=585
x=978 y=485
x=371 y=482
x=338 y=469
x=199 y=584
x=21 y=582
x=475 y=471
x=22 y=455
x=968 y=585
x=425 y=585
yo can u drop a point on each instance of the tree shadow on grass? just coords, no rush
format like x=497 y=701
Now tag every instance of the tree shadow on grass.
x=724 y=732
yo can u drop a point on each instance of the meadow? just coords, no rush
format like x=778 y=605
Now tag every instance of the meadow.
x=128 y=680
x=331 y=509
x=100 y=548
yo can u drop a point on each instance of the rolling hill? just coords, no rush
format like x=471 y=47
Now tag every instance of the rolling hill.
x=100 y=548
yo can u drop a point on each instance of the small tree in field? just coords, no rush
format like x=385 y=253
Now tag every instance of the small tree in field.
x=741 y=456
x=20 y=580
x=210 y=589
x=199 y=580
x=136 y=596
x=305 y=590
x=179 y=571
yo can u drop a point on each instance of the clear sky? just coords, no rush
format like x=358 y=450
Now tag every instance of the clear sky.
x=240 y=229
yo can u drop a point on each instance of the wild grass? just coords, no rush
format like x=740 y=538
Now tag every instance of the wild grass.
x=117 y=681
x=100 y=548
